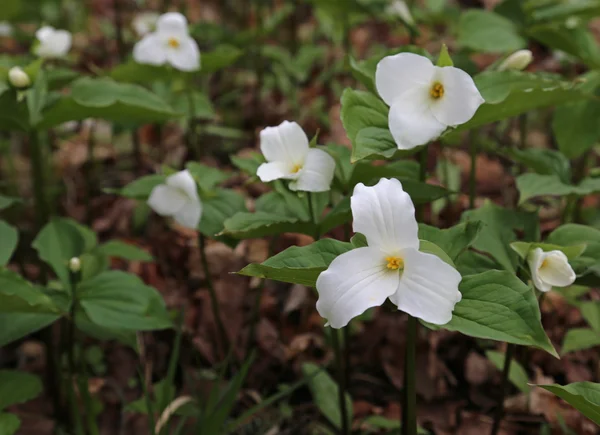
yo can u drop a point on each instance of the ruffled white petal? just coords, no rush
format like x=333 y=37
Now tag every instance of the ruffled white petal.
x=461 y=97
x=184 y=182
x=317 y=173
x=385 y=214
x=44 y=32
x=555 y=270
x=53 y=43
x=400 y=73
x=150 y=50
x=355 y=281
x=411 y=121
x=166 y=200
x=428 y=287
x=274 y=171
x=285 y=143
x=186 y=57
x=535 y=259
x=145 y=22
x=172 y=23
x=189 y=215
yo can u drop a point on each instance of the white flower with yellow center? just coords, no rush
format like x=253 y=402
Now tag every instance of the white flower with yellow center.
x=178 y=198
x=169 y=44
x=550 y=269
x=424 y=99
x=391 y=266
x=53 y=43
x=289 y=157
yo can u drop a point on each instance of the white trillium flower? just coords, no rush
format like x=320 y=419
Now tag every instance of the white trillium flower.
x=145 y=23
x=550 y=269
x=18 y=78
x=289 y=157
x=178 y=198
x=391 y=266
x=424 y=99
x=6 y=29
x=170 y=43
x=518 y=61
x=52 y=42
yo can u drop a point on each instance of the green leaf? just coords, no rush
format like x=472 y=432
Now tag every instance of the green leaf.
x=217 y=209
x=299 y=265
x=444 y=58
x=591 y=313
x=453 y=241
x=249 y=164
x=14 y=326
x=126 y=251
x=18 y=387
x=106 y=99
x=579 y=339
x=9 y=423
x=325 y=393
x=583 y=396
x=7 y=201
x=121 y=301
x=18 y=295
x=532 y=185
x=497 y=305
x=36 y=98
x=10 y=238
x=543 y=161
x=207 y=177
x=578 y=41
x=202 y=106
x=142 y=187
x=338 y=216
x=517 y=374
x=523 y=249
x=221 y=57
x=432 y=248
x=260 y=224
x=56 y=244
x=511 y=93
x=487 y=31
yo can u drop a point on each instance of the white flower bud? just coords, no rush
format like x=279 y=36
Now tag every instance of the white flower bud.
x=75 y=264
x=400 y=9
x=550 y=269
x=18 y=78
x=519 y=60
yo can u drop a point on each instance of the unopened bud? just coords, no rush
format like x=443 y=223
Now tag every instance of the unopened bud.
x=18 y=78
x=75 y=264
x=400 y=9
x=518 y=61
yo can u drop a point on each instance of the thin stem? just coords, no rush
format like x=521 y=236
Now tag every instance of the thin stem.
x=313 y=215
x=339 y=361
x=409 y=405
x=213 y=295
x=119 y=30
x=137 y=151
x=473 y=173
x=90 y=175
x=510 y=350
x=75 y=418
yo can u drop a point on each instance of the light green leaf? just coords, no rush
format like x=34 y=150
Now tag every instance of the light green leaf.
x=18 y=387
x=207 y=177
x=325 y=393
x=583 y=396
x=126 y=251
x=523 y=249
x=9 y=237
x=532 y=185
x=9 y=423
x=18 y=295
x=221 y=205
x=453 y=241
x=591 y=313
x=578 y=41
x=487 y=31
x=250 y=163
x=221 y=57
x=200 y=104
x=517 y=374
x=142 y=187
x=260 y=224
x=444 y=58
x=497 y=305
x=543 y=161
x=579 y=339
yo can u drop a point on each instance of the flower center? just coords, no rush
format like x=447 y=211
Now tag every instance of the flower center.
x=173 y=43
x=436 y=91
x=296 y=168
x=394 y=263
x=544 y=264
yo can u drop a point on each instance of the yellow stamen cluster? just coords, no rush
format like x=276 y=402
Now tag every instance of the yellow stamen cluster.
x=437 y=91
x=544 y=264
x=296 y=168
x=173 y=43
x=394 y=263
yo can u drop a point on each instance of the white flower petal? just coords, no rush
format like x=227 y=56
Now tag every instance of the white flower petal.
x=385 y=214
x=274 y=171
x=285 y=143
x=172 y=23
x=402 y=72
x=461 y=97
x=355 y=281
x=166 y=201
x=535 y=259
x=150 y=50
x=184 y=181
x=145 y=22
x=186 y=57
x=189 y=215
x=428 y=287
x=44 y=32
x=317 y=173
x=411 y=121
x=557 y=271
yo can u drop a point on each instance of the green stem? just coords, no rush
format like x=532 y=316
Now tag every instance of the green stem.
x=71 y=342
x=409 y=405
x=137 y=152
x=213 y=295
x=510 y=350
x=339 y=361
x=119 y=30
x=473 y=173
x=313 y=215
x=90 y=175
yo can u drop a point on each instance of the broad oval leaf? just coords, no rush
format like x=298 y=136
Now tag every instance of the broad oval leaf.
x=487 y=31
x=18 y=387
x=583 y=396
x=9 y=237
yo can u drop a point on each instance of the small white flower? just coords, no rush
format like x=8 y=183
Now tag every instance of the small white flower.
x=519 y=60
x=550 y=269
x=424 y=99
x=178 y=198
x=145 y=22
x=392 y=266
x=170 y=43
x=75 y=264
x=18 y=78
x=6 y=29
x=400 y=9
x=53 y=43
x=289 y=156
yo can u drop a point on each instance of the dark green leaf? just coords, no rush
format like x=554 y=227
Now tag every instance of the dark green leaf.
x=126 y=251
x=18 y=387
x=260 y=224
x=9 y=423
x=9 y=237
x=207 y=177
x=453 y=241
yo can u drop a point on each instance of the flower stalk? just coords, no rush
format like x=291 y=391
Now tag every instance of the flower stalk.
x=510 y=350
x=473 y=172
